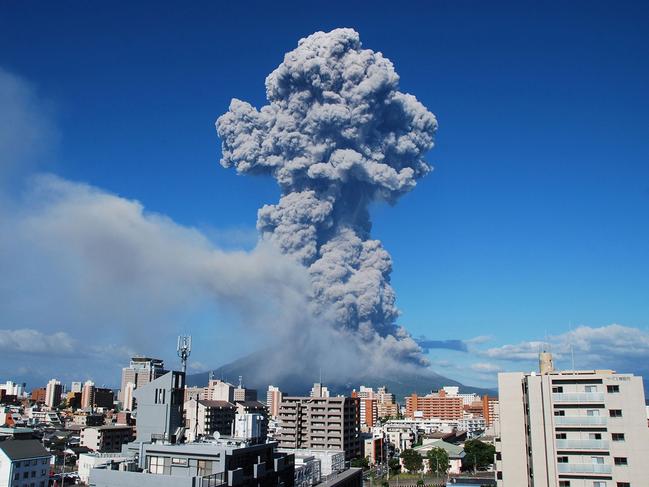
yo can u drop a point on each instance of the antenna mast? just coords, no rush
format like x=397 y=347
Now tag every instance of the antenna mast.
x=184 y=349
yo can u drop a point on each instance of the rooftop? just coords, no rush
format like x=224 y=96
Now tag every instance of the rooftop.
x=23 y=449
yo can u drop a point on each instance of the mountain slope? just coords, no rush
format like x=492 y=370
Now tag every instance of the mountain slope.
x=256 y=375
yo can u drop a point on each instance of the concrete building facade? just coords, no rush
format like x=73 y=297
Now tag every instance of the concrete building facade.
x=204 y=418
x=160 y=408
x=321 y=423
x=140 y=372
x=437 y=405
x=24 y=462
x=273 y=399
x=53 y=392
x=572 y=429
x=106 y=438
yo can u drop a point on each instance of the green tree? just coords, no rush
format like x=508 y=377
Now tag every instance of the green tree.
x=360 y=462
x=394 y=465
x=412 y=460
x=477 y=455
x=437 y=460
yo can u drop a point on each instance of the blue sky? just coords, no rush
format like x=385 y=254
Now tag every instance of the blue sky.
x=536 y=215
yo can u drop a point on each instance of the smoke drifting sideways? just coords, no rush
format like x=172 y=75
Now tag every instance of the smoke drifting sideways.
x=337 y=135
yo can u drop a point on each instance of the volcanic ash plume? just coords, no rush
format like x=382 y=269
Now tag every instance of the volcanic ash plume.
x=337 y=134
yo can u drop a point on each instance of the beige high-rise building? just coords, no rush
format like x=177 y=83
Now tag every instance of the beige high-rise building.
x=572 y=429
x=326 y=423
x=273 y=399
x=140 y=371
x=87 y=394
x=218 y=390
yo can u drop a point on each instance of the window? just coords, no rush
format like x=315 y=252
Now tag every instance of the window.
x=564 y=483
x=592 y=412
x=597 y=460
x=621 y=461
x=16 y=476
x=557 y=389
x=591 y=388
x=561 y=436
x=17 y=464
x=594 y=436
x=599 y=483
x=33 y=473
x=181 y=462
x=560 y=412
x=617 y=436
x=204 y=468
x=562 y=459
x=156 y=465
x=612 y=389
x=623 y=484
x=25 y=475
x=499 y=475
x=615 y=413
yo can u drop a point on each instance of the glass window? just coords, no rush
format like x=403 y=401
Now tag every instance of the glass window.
x=621 y=461
x=561 y=436
x=557 y=389
x=615 y=413
x=564 y=483
x=599 y=483
x=204 y=468
x=591 y=388
x=592 y=412
x=594 y=436
x=562 y=459
x=612 y=389
x=623 y=484
x=597 y=460
x=617 y=436
x=156 y=465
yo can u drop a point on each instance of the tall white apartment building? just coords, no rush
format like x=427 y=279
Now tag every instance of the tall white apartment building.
x=53 y=392
x=572 y=429
x=273 y=399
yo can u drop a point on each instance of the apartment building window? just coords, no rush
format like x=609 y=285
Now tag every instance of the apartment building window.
x=564 y=483
x=560 y=412
x=599 y=483
x=562 y=459
x=591 y=388
x=621 y=461
x=617 y=436
x=557 y=389
x=592 y=412
x=594 y=436
x=615 y=413
x=597 y=460
x=623 y=484
x=561 y=436
x=156 y=465
x=612 y=389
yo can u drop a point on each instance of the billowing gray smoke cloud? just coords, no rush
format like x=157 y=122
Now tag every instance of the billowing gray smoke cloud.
x=337 y=134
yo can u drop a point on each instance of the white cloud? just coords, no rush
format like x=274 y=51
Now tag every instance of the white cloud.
x=485 y=367
x=613 y=346
x=26 y=340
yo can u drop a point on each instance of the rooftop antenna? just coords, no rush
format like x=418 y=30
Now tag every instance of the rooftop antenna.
x=210 y=376
x=240 y=382
x=183 y=349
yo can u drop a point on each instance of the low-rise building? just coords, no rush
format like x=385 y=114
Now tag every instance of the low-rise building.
x=204 y=418
x=88 y=461
x=24 y=462
x=206 y=464
x=107 y=438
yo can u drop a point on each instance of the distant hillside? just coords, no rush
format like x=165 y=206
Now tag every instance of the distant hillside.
x=255 y=375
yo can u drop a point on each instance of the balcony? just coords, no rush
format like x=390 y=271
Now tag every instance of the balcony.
x=593 y=468
x=578 y=398
x=580 y=421
x=582 y=445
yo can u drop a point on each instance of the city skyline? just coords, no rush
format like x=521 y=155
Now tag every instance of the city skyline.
x=531 y=228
